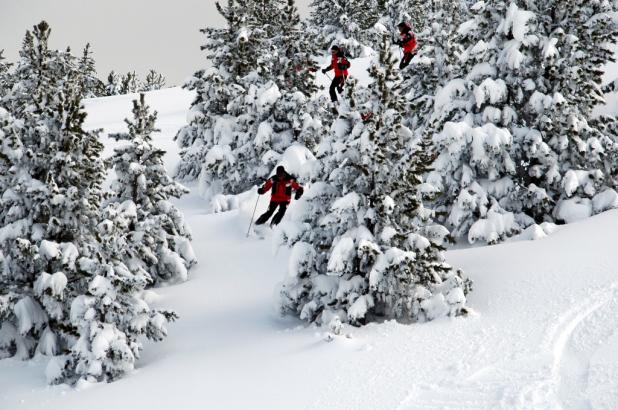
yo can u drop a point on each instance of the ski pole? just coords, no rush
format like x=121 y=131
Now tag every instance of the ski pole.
x=253 y=216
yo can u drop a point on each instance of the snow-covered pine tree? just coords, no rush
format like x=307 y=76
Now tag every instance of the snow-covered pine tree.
x=18 y=100
x=112 y=86
x=90 y=83
x=470 y=123
x=157 y=240
x=347 y=23
x=62 y=289
x=393 y=12
x=293 y=68
x=154 y=81
x=371 y=250
x=12 y=343
x=11 y=146
x=437 y=63
x=37 y=62
x=5 y=82
x=129 y=83
x=296 y=66
x=247 y=113
x=568 y=158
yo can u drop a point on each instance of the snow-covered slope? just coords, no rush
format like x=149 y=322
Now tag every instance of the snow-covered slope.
x=544 y=332
x=171 y=105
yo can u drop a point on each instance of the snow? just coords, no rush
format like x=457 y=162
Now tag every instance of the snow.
x=49 y=250
x=493 y=227
x=535 y=232
x=29 y=315
x=350 y=201
x=302 y=253
x=264 y=134
x=573 y=180
x=604 y=201
x=541 y=335
x=268 y=96
x=172 y=104
x=174 y=263
x=360 y=307
x=341 y=256
x=54 y=283
x=517 y=23
x=297 y=160
x=446 y=94
x=99 y=286
x=490 y=90
x=574 y=209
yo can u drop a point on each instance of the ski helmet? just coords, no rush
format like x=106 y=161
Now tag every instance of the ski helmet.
x=405 y=25
x=334 y=48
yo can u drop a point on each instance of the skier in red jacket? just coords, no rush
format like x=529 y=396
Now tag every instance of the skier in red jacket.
x=407 y=41
x=340 y=64
x=281 y=186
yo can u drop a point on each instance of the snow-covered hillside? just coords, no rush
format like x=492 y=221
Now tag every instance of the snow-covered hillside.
x=543 y=333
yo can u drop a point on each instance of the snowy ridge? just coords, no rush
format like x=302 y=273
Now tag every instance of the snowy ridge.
x=543 y=333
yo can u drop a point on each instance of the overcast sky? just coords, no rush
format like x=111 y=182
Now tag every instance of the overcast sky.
x=124 y=34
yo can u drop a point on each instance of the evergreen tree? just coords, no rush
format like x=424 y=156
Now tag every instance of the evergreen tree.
x=394 y=12
x=437 y=64
x=295 y=50
x=514 y=125
x=158 y=239
x=469 y=120
x=31 y=63
x=154 y=81
x=112 y=87
x=129 y=83
x=90 y=83
x=371 y=249
x=251 y=106
x=567 y=157
x=5 y=82
x=63 y=291
x=346 y=23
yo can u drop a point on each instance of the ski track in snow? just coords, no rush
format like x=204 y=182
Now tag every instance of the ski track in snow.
x=586 y=331
x=543 y=334
x=575 y=341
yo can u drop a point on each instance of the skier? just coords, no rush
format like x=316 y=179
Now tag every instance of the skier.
x=407 y=41
x=281 y=186
x=340 y=64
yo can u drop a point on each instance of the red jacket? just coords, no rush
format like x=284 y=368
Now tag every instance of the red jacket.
x=340 y=64
x=282 y=189
x=408 y=42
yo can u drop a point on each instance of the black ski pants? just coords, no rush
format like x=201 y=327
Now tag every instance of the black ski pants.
x=283 y=206
x=405 y=61
x=336 y=85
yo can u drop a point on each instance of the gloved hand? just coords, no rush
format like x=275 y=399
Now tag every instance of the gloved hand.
x=299 y=193
x=260 y=192
x=324 y=70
